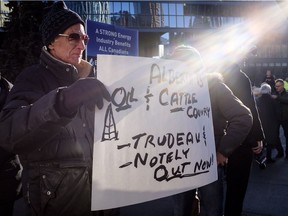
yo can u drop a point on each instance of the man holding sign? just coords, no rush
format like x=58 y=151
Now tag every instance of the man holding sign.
x=48 y=119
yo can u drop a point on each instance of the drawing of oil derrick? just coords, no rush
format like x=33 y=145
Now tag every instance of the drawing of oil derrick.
x=109 y=130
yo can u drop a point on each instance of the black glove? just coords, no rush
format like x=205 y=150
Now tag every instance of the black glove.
x=84 y=91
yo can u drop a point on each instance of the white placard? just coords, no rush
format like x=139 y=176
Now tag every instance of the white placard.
x=155 y=138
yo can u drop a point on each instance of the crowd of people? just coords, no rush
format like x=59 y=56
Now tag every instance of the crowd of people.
x=47 y=122
x=272 y=102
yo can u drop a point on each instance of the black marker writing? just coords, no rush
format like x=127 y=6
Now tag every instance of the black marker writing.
x=122 y=99
x=193 y=112
x=168 y=139
x=176 y=98
x=161 y=158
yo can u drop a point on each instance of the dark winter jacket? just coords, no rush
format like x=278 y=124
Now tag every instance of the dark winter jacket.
x=227 y=108
x=267 y=112
x=282 y=111
x=5 y=87
x=10 y=174
x=56 y=151
x=241 y=87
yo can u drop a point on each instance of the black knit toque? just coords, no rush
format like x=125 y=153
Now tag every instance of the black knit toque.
x=57 y=20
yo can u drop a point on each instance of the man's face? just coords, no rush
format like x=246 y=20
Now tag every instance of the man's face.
x=279 y=87
x=268 y=73
x=67 y=48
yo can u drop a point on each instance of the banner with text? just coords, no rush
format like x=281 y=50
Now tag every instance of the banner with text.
x=110 y=40
x=155 y=137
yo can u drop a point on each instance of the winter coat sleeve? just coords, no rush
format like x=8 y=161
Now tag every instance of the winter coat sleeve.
x=283 y=99
x=29 y=119
x=241 y=87
x=228 y=109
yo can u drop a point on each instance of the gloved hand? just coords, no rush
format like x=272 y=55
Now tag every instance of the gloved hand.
x=83 y=91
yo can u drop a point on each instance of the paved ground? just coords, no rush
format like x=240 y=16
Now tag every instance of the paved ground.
x=267 y=193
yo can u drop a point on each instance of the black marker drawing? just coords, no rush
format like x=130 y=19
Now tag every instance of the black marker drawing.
x=109 y=130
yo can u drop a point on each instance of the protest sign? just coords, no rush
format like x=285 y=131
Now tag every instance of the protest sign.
x=155 y=138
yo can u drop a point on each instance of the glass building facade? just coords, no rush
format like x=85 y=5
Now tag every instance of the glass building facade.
x=210 y=26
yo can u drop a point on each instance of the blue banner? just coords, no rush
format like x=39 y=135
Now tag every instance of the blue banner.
x=110 y=40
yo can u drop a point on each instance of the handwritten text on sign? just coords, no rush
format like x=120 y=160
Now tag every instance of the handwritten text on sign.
x=155 y=137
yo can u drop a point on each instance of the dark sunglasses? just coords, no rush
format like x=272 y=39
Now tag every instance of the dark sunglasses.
x=75 y=38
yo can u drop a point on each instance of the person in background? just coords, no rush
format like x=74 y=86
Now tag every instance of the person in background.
x=256 y=91
x=286 y=83
x=281 y=97
x=225 y=108
x=238 y=168
x=10 y=166
x=48 y=120
x=270 y=80
x=267 y=112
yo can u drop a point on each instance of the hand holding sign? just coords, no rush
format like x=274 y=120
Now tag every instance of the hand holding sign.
x=84 y=90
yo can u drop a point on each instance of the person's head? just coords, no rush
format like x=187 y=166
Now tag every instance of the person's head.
x=265 y=88
x=256 y=91
x=279 y=85
x=253 y=50
x=63 y=33
x=268 y=73
x=190 y=55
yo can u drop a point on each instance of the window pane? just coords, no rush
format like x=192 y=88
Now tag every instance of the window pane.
x=180 y=22
x=172 y=21
x=111 y=7
x=187 y=21
x=166 y=21
x=125 y=6
x=116 y=7
x=172 y=10
x=180 y=9
x=131 y=7
x=165 y=8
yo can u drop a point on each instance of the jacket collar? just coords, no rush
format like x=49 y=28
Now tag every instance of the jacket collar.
x=63 y=71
